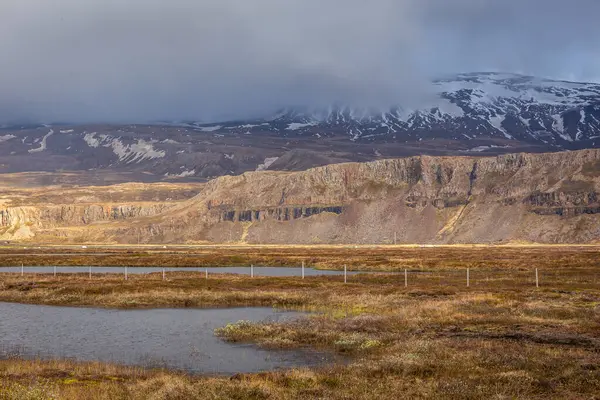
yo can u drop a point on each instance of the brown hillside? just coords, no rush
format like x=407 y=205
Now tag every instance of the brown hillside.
x=546 y=198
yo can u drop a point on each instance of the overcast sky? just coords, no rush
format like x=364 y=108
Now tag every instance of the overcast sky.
x=148 y=60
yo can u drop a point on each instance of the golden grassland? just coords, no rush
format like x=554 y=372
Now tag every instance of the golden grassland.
x=499 y=338
x=375 y=258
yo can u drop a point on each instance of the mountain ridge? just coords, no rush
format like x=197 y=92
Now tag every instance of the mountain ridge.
x=493 y=104
x=473 y=114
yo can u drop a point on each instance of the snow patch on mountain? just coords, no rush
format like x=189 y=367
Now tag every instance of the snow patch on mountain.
x=246 y=126
x=480 y=149
x=559 y=126
x=43 y=144
x=294 y=126
x=90 y=139
x=210 y=128
x=581 y=121
x=183 y=174
x=6 y=138
x=267 y=163
x=496 y=122
x=135 y=152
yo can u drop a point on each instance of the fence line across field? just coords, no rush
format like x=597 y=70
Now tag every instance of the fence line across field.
x=251 y=270
x=472 y=277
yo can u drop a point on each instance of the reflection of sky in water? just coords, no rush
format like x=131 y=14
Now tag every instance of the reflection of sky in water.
x=258 y=271
x=173 y=338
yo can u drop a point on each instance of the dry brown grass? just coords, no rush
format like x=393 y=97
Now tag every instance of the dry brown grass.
x=499 y=338
x=415 y=368
x=376 y=258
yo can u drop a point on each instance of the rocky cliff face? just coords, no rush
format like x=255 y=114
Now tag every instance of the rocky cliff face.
x=27 y=210
x=70 y=215
x=548 y=198
x=21 y=222
x=525 y=197
x=568 y=178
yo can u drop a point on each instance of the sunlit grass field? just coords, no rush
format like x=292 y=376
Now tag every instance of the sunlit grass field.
x=429 y=336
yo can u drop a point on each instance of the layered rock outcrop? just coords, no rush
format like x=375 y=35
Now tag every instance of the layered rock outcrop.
x=516 y=197
x=22 y=221
x=546 y=198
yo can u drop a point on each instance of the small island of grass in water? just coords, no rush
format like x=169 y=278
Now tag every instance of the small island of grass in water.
x=500 y=337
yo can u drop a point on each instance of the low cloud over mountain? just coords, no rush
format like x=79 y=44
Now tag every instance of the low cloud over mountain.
x=208 y=60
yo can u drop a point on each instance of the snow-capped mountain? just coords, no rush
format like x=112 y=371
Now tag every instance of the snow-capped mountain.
x=467 y=114
x=462 y=107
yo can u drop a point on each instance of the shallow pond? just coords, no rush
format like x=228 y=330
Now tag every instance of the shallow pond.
x=166 y=338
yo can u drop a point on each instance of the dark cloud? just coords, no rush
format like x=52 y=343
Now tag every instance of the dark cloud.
x=141 y=60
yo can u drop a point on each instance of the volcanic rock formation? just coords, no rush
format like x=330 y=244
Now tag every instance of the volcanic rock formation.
x=546 y=198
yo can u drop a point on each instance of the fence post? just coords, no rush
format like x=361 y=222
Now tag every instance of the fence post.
x=405 y=277
x=55 y=271
x=537 y=281
x=468 y=278
x=251 y=271
x=302 y=269
x=125 y=272
x=164 y=274
x=345 y=274
x=22 y=269
x=90 y=272
x=206 y=273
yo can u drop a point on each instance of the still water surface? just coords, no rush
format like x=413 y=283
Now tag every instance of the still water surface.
x=166 y=338
x=258 y=271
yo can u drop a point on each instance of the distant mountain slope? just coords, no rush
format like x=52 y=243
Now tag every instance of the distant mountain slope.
x=548 y=198
x=477 y=114
x=462 y=107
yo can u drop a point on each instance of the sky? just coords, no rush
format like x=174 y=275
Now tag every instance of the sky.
x=207 y=60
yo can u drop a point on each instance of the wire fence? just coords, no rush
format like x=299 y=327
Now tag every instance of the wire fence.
x=468 y=277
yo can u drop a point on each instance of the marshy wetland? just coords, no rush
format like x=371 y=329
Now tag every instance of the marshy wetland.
x=429 y=336
x=178 y=339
